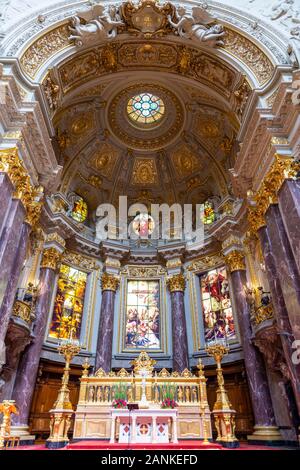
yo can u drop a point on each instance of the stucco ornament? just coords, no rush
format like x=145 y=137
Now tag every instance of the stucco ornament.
x=100 y=24
x=195 y=26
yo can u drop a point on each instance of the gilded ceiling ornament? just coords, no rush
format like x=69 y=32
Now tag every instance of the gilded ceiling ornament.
x=93 y=180
x=109 y=58
x=43 y=48
x=176 y=283
x=82 y=124
x=109 y=282
x=184 y=60
x=235 y=260
x=104 y=159
x=208 y=127
x=144 y=171
x=241 y=96
x=51 y=90
x=195 y=182
x=249 y=53
x=51 y=258
x=185 y=161
x=85 y=66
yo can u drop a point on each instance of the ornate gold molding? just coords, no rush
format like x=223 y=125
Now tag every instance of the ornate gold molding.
x=206 y=262
x=176 y=283
x=30 y=196
x=76 y=259
x=51 y=258
x=263 y=313
x=109 y=282
x=282 y=169
x=235 y=260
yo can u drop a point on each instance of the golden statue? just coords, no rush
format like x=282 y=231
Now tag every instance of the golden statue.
x=7 y=407
x=143 y=363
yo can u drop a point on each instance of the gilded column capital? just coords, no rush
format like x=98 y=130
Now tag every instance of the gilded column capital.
x=176 y=283
x=51 y=258
x=256 y=219
x=235 y=260
x=109 y=282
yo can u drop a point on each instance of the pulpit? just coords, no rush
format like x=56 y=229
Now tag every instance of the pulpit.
x=146 y=426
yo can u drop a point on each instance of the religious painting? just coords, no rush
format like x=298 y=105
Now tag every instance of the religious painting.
x=216 y=306
x=68 y=306
x=208 y=215
x=142 y=315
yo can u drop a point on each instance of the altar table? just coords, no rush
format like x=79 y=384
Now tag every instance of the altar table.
x=144 y=425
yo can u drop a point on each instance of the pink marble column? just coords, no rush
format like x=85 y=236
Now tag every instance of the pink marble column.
x=9 y=297
x=6 y=192
x=9 y=241
x=105 y=334
x=280 y=311
x=286 y=267
x=28 y=366
x=289 y=206
x=176 y=286
x=254 y=362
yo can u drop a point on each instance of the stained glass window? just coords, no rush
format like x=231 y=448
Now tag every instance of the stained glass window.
x=68 y=306
x=142 y=315
x=216 y=305
x=208 y=213
x=145 y=108
x=80 y=210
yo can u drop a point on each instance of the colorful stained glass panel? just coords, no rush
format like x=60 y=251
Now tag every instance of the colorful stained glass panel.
x=68 y=306
x=145 y=108
x=142 y=315
x=216 y=305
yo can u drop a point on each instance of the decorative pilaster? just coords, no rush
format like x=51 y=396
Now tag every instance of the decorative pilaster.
x=254 y=363
x=29 y=363
x=109 y=284
x=176 y=286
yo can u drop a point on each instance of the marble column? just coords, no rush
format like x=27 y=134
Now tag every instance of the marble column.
x=109 y=284
x=176 y=286
x=280 y=311
x=6 y=192
x=289 y=206
x=9 y=241
x=254 y=362
x=9 y=297
x=286 y=268
x=28 y=366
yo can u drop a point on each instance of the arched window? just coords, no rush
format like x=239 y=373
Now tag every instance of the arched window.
x=79 y=210
x=68 y=306
x=216 y=305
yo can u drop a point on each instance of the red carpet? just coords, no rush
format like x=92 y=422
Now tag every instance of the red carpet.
x=182 y=445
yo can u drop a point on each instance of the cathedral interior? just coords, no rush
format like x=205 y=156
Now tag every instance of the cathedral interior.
x=191 y=104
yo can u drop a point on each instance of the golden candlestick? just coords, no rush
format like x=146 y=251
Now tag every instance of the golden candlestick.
x=61 y=413
x=223 y=413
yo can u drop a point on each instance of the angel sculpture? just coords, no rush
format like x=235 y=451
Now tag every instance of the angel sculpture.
x=99 y=25
x=194 y=26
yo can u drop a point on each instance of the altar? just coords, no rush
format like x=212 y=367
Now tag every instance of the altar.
x=144 y=426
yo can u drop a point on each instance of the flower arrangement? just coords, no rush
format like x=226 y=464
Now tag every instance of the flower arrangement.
x=168 y=393
x=119 y=396
x=169 y=403
x=119 y=403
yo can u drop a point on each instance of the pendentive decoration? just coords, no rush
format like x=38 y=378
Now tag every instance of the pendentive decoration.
x=148 y=19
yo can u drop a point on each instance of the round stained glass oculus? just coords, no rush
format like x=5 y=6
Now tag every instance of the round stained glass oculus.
x=145 y=108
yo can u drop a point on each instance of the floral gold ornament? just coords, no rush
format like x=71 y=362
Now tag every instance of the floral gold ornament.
x=176 y=283
x=235 y=260
x=263 y=313
x=109 y=282
x=51 y=258
x=144 y=171
x=143 y=363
